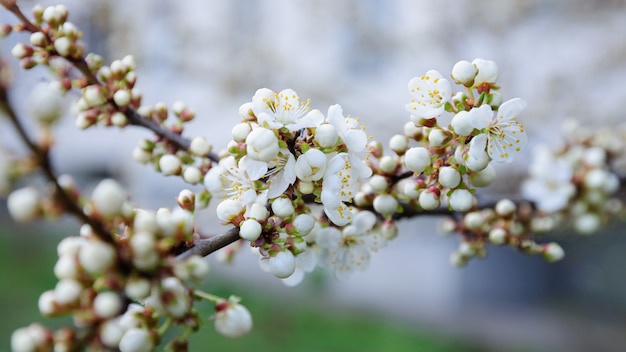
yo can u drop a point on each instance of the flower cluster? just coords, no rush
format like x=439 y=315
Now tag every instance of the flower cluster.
x=578 y=180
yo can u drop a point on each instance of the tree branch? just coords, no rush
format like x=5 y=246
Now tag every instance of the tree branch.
x=206 y=246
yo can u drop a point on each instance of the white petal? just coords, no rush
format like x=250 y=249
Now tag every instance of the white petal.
x=481 y=117
x=511 y=108
x=477 y=146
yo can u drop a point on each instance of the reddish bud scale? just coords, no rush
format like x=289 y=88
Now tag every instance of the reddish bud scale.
x=435 y=190
x=221 y=306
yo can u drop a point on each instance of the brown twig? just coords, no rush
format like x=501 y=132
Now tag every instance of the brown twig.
x=206 y=246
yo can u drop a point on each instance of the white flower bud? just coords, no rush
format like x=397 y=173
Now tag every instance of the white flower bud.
x=387 y=164
x=505 y=207
x=417 y=159
x=428 y=200
x=473 y=220
x=461 y=200
x=51 y=15
x=282 y=207
x=587 y=223
x=108 y=198
x=311 y=165
x=178 y=302
x=21 y=51
x=411 y=190
x=250 y=230
x=111 y=333
x=145 y=221
x=121 y=98
x=129 y=319
x=136 y=340
x=262 y=144
x=69 y=246
x=497 y=236
x=258 y=212
x=137 y=288
x=437 y=137
x=241 y=131
x=192 y=175
x=22 y=341
x=66 y=267
x=385 y=204
x=46 y=103
x=496 y=98
x=141 y=155
x=198 y=267
x=466 y=250
x=306 y=187
x=595 y=179
x=553 y=252
x=463 y=73
x=170 y=164
x=484 y=177
x=399 y=143
x=142 y=243
x=228 y=209
x=245 y=111
x=457 y=260
x=234 y=321
x=410 y=130
x=461 y=123
x=477 y=164
x=107 y=304
x=199 y=146
x=47 y=302
x=93 y=96
x=487 y=72
x=24 y=204
x=96 y=257
x=283 y=264
x=63 y=47
x=378 y=183
x=304 y=223
x=326 y=135
x=67 y=291
x=119 y=119
x=449 y=177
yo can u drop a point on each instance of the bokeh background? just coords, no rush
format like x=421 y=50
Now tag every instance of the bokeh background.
x=566 y=58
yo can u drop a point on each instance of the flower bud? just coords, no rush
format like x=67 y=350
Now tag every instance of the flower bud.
x=63 y=46
x=412 y=131
x=93 y=95
x=96 y=257
x=108 y=198
x=587 y=223
x=306 y=187
x=199 y=146
x=258 y=212
x=461 y=123
x=192 y=175
x=477 y=164
x=304 y=224
x=137 y=288
x=250 y=230
x=497 y=236
x=484 y=177
x=67 y=291
x=417 y=159
x=399 y=144
x=229 y=209
x=487 y=72
x=388 y=164
x=240 y=132
x=428 y=200
x=311 y=165
x=505 y=207
x=378 y=183
x=170 y=164
x=136 y=340
x=234 y=320
x=262 y=144
x=47 y=303
x=385 y=204
x=449 y=177
x=66 y=267
x=111 y=333
x=463 y=73
x=119 y=119
x=107 y=304
x=24 y=204
x=121 y=98
x=326 y=135
x=461 y=200
x=282 y=207
x=245 y=111
x=473 y=220
x=283 y=264
x=552 y=252
x=438 y=137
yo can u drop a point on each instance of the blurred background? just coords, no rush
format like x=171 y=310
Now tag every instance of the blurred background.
x=566 y=58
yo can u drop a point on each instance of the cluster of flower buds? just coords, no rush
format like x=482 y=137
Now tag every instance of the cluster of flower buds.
x=578 y=180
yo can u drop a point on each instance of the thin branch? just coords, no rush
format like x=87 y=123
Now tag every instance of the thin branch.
x=206 y=246
x=43 y=160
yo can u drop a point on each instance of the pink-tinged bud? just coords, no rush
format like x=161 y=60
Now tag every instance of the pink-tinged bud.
x=21 y=51
x=552 y=252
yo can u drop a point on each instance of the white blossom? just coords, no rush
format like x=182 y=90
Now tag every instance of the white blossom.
x=311 y=165
x=349 y=249
x=262 y=144
x=354 y=138
x=234 y=320
x=486 y=71
x=283 y=264
x=108 y=198
x=340 y=185
x=430 y=93
x=550 y=184
x=502 y=135
x=284 y=109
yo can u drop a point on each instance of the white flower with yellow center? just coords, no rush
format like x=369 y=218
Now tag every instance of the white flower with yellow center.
x=282 y=173
x=430 y=92
x=353 y=136
x=284 y=109
x=348 y=250
x=339 y=186
x=502 y=135
x=235 y=181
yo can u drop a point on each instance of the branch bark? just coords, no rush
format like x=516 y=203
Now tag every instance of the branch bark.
x=206 y=246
